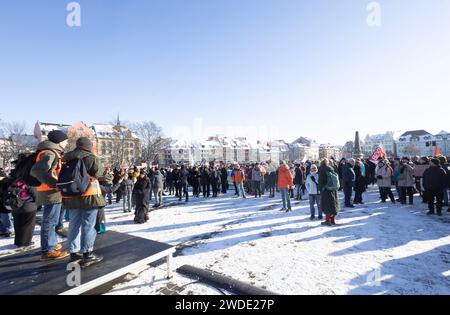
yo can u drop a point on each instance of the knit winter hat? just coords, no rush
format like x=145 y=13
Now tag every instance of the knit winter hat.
x=84 y=143
x=56 y=136
x=282 y=162
x=435 y=162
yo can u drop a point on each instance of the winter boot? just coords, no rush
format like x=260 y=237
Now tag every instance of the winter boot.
x=90 y=259
x=75 y=257
x=54 y=255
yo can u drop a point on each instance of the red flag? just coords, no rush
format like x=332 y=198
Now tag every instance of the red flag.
x=379 y=152
x=436 y=151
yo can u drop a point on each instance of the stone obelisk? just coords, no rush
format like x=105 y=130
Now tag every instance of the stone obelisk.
x=357 y=151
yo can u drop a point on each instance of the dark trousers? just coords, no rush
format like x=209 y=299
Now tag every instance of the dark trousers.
x=206 y=190
x=224 y=186
x=348 y=191
x=358 y=195
x=184 y=188
x=272 y=190
x=215 y=189
x=406 y=191
x=431 y=196
x=257 y=188
x=385 y=192
x=178 y=190
x=195 y=189
x=24 y=224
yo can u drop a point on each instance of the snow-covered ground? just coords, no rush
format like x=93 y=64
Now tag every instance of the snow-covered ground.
x=376 y=249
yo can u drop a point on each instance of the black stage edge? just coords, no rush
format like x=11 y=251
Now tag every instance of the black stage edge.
x=25 y=274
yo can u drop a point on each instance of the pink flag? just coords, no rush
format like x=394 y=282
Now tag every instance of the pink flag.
x=379 y=152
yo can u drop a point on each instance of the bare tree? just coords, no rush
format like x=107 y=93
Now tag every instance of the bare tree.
x=152 y=141
x=14 y=141
x=411 y=150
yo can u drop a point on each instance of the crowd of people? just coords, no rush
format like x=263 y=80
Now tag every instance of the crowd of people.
x=52 y=181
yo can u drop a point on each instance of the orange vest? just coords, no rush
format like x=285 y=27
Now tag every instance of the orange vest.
x=92 y=190
x=238 y=178
x=54 y=173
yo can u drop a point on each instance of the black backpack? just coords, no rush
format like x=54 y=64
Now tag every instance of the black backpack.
x=22 y=170
x=73 y=179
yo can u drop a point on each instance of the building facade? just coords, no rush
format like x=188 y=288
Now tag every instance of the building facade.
x=386 y=140
x=416 y=143
x=443 y=143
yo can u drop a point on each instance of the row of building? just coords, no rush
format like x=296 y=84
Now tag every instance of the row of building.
x=118 y=145
x=222 y=148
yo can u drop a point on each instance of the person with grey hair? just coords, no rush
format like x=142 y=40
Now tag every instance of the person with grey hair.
x=348 y=182
x=312 y=186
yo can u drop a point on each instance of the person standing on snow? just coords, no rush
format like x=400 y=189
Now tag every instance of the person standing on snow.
x=328 y=189
x=46 y=169
x=312 y=186
x=285 y=182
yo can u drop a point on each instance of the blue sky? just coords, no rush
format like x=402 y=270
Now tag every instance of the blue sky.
x=281 y=68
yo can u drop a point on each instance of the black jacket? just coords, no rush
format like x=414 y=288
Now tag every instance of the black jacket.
x=298 y=179
x=434 y=179
x=348 y=174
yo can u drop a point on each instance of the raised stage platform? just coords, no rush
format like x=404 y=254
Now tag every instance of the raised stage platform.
x=25 y=274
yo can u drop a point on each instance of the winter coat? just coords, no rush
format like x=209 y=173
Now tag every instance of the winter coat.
x=42 y=171
x=141 y=191
x=434 y=179
x=312 y=184
x=298 y=179
x=184 y=175
x=223 y=175
x=348 y=174
x=238 y=176
x=157 y=182
x=384 y=176
x=256 y=175
x=360 y=180
x=285 y=178
x=215 y=177
x=126 y=187
x=446 y=168
x=405 y=176
x=329 y=199
x=195 y=177
x=205 y=177
x=95 y=169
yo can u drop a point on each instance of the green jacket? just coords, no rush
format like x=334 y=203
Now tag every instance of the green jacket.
x=42 y=171
x=95 y=169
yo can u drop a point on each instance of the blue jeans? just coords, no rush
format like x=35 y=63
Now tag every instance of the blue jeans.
x=5 y=222
x=50 y=218
x=315 y=199
x=241 y=190
x=85 y=220
x=60 y=224
x=127 y=202
x=286 y=198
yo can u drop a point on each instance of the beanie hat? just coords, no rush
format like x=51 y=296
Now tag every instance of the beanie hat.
x=435 y=162
x=282 y=162
x=84 y=143
x=56 y=136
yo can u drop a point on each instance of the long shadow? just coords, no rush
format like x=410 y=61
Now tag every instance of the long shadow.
x=418 y=274
x=223 y=244
x=226 y=233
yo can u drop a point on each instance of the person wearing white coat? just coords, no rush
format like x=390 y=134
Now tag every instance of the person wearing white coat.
x=312 y=186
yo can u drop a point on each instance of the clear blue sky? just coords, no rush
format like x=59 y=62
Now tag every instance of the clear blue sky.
x=305 y=68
